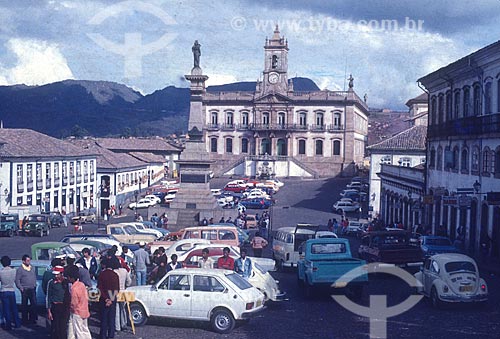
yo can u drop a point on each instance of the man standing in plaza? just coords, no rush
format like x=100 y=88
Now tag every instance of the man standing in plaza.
x=206 y=261
x=243 y=265
x=141 y=261
x=108 y=284
x=7 y=294
x=26 y=283
x=57 y=304
x=79 y=306
x=258 y=244
x=225 y=262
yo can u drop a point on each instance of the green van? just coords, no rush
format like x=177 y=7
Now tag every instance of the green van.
x=9 y=224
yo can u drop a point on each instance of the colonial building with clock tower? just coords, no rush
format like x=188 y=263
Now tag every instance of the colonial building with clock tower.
x=276 y=131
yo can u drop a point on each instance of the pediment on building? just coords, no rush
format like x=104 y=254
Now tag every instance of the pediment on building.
x=273 y=98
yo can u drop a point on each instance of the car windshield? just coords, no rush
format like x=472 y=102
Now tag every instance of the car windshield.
x=438 y=242
x=4 y=218
x=131 y=229
x=259 y=268
x=238 y=281
x=38 y=218
x=327 y=248
x=460 y=266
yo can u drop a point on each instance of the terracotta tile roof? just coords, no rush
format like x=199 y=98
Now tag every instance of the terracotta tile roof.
x=148 y=157
x=137 y=144
x=412 y=139
x=422 y=98
x=26 y=143
x=108 y=160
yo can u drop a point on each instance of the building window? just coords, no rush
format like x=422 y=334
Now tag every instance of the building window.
x=303 y=119
x=281 y=119
x=433 y=111
x=498 y=95
x=274 y=62
x=337 y=119
x=29 y=173
x=475 y=159
x=265 y=118
x=439 y=160
x=497 y=162
x=477 y=100
x=466 y=110
x=19 y=174
x=486 y=160
x=386 y=159
x=281 y=147
x=214 y=118
x=487 y=98
x=457 y=105
x=336 y=147
x=318 y=149
x=213 y=145
x=229 y=119
x=56 y=171
x=455 y=159
x=319 y=119
x=440 y=109
x=432 y=162
x=464 y=161
x=47 y=172
x=448 y=106
x=405 y=162
x=302 y=147
x=229 y=145
x=244 y=145
x=244 y=119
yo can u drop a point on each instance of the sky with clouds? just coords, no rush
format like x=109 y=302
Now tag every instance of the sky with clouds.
x=386 y=44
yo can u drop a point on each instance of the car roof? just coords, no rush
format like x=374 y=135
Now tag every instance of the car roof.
x=50 y=244
x=434 y=237
x=444 y=257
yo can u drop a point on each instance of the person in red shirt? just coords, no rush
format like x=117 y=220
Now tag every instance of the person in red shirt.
x=109 y=286
x=225 y=262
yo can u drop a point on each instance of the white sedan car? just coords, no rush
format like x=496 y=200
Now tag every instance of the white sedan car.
x=451 y=278
x=154 y=199
x=218 y=296
x=341 y=207
x=142 y=203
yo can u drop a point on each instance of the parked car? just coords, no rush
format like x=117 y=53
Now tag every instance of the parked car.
x=256 y=203
x=347 y=191
x=125 y=234
x=431 y=244
x=48 y=250
x=341 y=207
x=83 y=217
x=56 y=219
x=218 y=296
x=451 y=278
x=38 y=224
x=234 y=187
x=391 y=247
x=177 y=247
x=142 y=203
x=9 y=224
x=169 y=197
x=154 y=199
x=356 y=227
x=323 y=261
x=251 y=221
x=260 y=278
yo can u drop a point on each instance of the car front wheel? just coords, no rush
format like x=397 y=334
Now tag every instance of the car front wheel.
x=436 y=303
x=138 y=314
x=222 y=321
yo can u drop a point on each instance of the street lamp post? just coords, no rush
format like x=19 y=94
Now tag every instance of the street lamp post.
x=136 y=194
x=410 y=210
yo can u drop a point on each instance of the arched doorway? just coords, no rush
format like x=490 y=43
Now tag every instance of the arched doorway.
x=265 y=146
x=281 y=146
x=495 y=236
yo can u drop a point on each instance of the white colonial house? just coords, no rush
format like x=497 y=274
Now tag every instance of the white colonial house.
x=38 y=170
x=463 y=149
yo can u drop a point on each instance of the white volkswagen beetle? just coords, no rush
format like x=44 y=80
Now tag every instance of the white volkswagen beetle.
x=218 y=296
x=451 y=278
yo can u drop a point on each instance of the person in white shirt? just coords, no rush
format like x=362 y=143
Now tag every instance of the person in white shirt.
x=206 y=261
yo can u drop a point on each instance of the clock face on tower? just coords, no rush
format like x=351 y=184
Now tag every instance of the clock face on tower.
x=274 y=77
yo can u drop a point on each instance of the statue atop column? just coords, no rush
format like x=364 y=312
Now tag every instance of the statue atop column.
x=196 y=54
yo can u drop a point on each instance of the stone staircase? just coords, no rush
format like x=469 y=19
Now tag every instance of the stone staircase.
x=304 y=167
x=229 y=167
